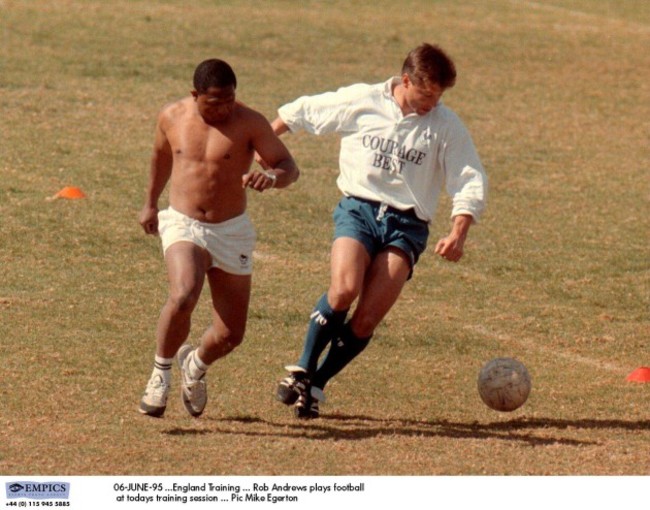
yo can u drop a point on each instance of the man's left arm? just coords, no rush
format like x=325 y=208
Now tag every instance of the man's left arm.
x=279 y=168
x=467 y=185
x=451 y=246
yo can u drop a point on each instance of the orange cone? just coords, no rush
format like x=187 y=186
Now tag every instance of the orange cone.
x=70 y=192
x=641 y=374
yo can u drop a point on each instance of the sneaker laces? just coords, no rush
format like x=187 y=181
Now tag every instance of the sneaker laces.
x=191 y=385
x=156 y=387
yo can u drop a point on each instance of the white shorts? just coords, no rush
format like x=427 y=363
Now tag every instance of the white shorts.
x=230 y=243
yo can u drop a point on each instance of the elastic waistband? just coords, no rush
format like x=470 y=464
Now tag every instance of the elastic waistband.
x=410 y=212
x=189 y=219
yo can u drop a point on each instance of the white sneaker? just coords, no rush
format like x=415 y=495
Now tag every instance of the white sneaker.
x=194 y=392
x=154 y=400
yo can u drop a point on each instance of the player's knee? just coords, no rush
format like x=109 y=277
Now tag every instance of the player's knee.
x=341 y=297
x=228 y=339
x=183 y=300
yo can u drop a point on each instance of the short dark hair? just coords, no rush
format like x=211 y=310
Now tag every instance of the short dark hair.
x=213 y=73
x=428 y=63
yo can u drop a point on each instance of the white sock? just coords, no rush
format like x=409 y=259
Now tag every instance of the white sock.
x=196 y=368
x=163 y=368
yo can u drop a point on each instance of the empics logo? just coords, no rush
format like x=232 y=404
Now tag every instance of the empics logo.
x=37 y=490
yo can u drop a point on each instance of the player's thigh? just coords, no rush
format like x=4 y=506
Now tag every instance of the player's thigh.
x=230 y=300
x=186 y=264
x=348 y=264
x=384 y=282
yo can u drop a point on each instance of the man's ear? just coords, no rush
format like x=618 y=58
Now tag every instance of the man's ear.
x=195 y=94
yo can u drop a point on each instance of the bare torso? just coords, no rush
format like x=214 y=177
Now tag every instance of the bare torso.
x=208 y=161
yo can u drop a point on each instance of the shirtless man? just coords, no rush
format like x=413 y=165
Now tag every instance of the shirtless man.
x=204 y=146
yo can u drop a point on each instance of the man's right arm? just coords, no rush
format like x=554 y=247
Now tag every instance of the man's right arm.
x=159 y=173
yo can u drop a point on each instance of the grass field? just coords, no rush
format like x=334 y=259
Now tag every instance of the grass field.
x=557 y=97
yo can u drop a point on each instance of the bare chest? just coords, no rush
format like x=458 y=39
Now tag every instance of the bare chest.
x=207 y=146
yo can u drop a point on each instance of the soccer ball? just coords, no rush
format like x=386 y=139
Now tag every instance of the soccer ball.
x=504 y=384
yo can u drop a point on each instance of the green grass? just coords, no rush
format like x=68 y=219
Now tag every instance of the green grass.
x=557 y=97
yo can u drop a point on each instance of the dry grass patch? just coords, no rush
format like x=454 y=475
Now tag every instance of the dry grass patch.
x=557 y=97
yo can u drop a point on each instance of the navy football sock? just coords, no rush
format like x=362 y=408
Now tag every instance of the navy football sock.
x=324 y=325
x=343 y=350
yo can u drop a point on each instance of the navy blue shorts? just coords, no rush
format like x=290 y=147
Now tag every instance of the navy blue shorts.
x=378 y=227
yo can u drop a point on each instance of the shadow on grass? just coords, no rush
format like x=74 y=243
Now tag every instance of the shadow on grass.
x=529 y=431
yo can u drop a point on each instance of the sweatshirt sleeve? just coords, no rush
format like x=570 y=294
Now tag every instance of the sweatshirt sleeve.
x=466 y=180
x=324 y=113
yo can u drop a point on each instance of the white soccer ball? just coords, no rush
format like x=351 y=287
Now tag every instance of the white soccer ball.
x=504 y=384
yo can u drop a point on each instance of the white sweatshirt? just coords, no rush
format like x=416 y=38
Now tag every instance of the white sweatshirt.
x=399 y=160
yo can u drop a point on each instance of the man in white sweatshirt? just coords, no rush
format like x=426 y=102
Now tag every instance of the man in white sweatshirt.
x=399 y=147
